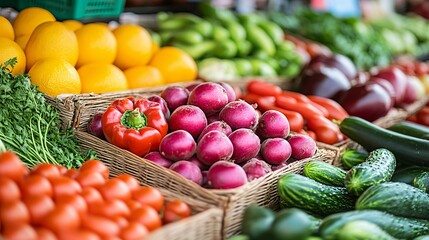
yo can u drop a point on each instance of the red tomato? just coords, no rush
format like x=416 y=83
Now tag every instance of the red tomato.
x=63 y=170
x=95 y=166
x=13 y=214
x=132 y=204
x=9 y=190
x=64 y=186
x=71 y=173
x=122 y=222
x=76 y=201
x=46 y=170
x=111 y=208
x=39 y=207
x=133 y=231
x=131 y=182
x=34 y=185
x=102 y=226
x=61 y=218
x=91 y=196
x=11 y=166
x=90 y=179
x=78 y=235
x=115 y=188
x=20 y=232
x=327 y=134
x=263 y=88
x=175 y=211
x=149 y=196
x=147 y=216
x=423 y=116
x=45 y=234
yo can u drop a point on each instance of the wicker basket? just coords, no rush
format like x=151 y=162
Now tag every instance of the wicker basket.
x=262 y=191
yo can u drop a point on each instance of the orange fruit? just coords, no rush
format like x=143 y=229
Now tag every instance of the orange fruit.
x=134 y=46
x=143 y=76
x=28 y=19
x=10 y=49
x=55 y=77
x=22 y=40
x=102 y=77
x=155 y=47
x=96 y=44
x=52 y=40
x=174 y=64
x=73 y=24
x=6 y=29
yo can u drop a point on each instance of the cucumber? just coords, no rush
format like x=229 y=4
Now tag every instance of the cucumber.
x=398 y=227
x=378 y=167
x=257 y=221
x=407 y=175
x=301 y=192
x=293 y=223
x=409 y=149
x=424 y=237
x=362 y=230
x=399 y=199
x=411 y=129
x=352 y=157
x=325 y=173
x=422 y=182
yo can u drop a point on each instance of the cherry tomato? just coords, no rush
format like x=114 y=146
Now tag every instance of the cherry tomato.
x=46 y=170
x=64 y=186
x=71 y=173
x=90 y=179
x=122 y=222
x=263 y=88
x=149 y=196
x=175 y=211
x=111 y=208
x=34 y=185
x=78 y=234
x=11 y=166
x=147 y=216
x=115 y=188
x=91 y=196
x=133 y=231
x=19 y=232
x=102 y=226
x=132 y=204
x=39 y=206
x=412 y=118
x=9 y=190
x=63 y=170
x=13 y=214
x=327 y=134
x=131 y=182
x=62 y=217
x=423 y=116
x=95 y=166
x=45 y=234
x=76 y=201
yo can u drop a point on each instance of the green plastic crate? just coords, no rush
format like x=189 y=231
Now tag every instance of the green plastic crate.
x=77 y=9
x=9 y=3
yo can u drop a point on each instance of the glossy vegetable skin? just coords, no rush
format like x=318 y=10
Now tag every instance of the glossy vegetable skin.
x=137 y=125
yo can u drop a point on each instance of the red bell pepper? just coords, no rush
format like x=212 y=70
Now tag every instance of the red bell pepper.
x=137 y=125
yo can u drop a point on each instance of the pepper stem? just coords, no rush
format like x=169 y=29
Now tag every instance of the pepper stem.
x=134 y=119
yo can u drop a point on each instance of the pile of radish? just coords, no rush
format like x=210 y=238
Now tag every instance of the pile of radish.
x=221 y=142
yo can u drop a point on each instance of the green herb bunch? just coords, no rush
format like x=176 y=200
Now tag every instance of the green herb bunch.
x=31 y=127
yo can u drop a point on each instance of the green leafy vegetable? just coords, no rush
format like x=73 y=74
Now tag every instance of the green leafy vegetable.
x=31 y=127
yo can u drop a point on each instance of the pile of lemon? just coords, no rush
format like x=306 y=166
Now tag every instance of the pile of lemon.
x=69 y=57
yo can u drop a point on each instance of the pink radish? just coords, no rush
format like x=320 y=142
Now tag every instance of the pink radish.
x=246 y=144
x=177 y=145
x=226 y=175
x=214 y=146
x=276 y=150
x=189 y=118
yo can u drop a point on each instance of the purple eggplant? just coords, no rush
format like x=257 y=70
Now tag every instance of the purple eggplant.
x=341 y=62
x=369 y=101
x=323 y=81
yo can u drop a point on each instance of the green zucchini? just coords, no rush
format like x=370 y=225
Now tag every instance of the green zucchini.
x=422 y=182
x=325 y=173
x=405 y=148
x=362 y=230
x=352 y=157
x=398 y=227
x=301 y=192
x=378 y=167
x=399 y=199
x=407 y=175
x=411 y=129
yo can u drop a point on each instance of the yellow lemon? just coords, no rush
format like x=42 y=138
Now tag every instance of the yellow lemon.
x=134 y=46
x=174 y=64
x=6 y=29
x=28 y=19
x=155 y=47
x=101 y=77
x=96 y=44
x=52 y=40
x=143 y=76
x=55 y=77
x=10 y=49
x=73 y=24
x=22 y=41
